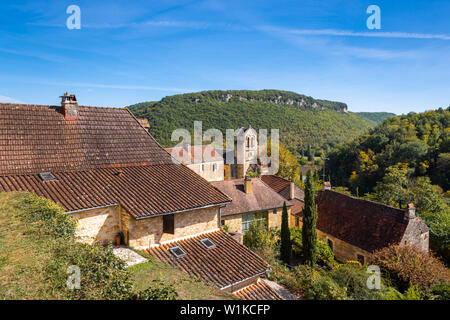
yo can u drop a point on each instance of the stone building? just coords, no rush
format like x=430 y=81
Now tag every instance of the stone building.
x=208 y=165
x=252 y=201
x=106 y=170
x=244 y=155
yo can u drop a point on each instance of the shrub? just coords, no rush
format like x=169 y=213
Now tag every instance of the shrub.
x=257 y=236
x=47 y=218
x=354 y=277
x=405 y=265
x=441 y=291
x=160 y=291
x=324 y=254
x=413 y=293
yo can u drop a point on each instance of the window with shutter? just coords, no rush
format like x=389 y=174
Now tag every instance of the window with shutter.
x=169 y=224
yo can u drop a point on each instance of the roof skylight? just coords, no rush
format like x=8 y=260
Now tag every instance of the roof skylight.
x=208 y=243
x=177 y=252
x=46 y=176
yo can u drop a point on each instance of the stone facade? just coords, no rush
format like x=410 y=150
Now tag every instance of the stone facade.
x=210 y=171
x=342 y=250
x=148 y=232
x=100 y=225
x=234 y=222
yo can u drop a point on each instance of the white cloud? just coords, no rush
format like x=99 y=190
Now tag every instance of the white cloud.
x=6 y=99
x=347 y=33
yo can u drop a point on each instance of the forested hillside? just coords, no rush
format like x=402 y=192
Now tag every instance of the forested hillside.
x=422 y=141
x=376 y=117
x=303 y=121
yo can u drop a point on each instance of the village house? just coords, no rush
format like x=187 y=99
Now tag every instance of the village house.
x=108 y=173
x=209 y=165
x=252 y=201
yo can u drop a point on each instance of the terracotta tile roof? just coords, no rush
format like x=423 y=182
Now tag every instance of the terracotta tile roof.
x=105 y=157
x=141 y=190
x=208 y=153
x=282 y=186
x=365 y=224
x=227 y=263
x=262 y=197
x=37 y=139
x=258 y=291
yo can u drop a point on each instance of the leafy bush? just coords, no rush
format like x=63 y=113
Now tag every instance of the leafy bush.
x=48 y=218
x=413 y=293
x=354 y=277
x=325 y=256
x=257 y=236
x=160 y=291
x=441 y=291
x=405 y=265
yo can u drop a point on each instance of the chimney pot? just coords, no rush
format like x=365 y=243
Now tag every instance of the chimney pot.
x=292 y=191
x=248 y=185
x=411 y=211
x=326 y=186
x=69 y=106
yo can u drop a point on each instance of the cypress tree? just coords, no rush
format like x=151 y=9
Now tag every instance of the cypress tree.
x=309 y=234
x=286 y=245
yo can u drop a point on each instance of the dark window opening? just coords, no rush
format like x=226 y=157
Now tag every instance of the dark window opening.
x=330 y=244
x=360 y=258
x=208 y=243
x=169 y=224
x=177 y=252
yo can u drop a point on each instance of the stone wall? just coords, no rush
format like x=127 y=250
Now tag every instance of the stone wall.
x=343 y=251
x=147 y=232
x=234 y=223
x=100 y=225
x=208 y=173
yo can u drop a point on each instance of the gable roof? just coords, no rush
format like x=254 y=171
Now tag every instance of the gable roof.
x=37 y=139
x=258 y=291
x=104 y=158
x=282 y=187
x=362 y=223
x=228 y=263
x=262 y=197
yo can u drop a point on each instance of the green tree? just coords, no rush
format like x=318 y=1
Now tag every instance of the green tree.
x=286 y=245
x=309 y=234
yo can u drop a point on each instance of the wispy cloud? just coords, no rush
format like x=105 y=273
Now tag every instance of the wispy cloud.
x=348 y=33
x=9 y=99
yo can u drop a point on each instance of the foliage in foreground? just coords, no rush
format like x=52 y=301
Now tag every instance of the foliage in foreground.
x=404 y=266
x=309 y=233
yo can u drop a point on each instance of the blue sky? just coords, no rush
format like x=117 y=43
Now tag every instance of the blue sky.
x=132 y=51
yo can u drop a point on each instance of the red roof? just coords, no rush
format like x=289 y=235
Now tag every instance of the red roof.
x=365 y=224
x=228 y=263
x=282 y=186
x=258 y=291
x=104 y=158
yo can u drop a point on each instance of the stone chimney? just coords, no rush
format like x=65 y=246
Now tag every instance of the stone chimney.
x=248 y=185
x=326 y=186
x=292 y=191
x=69 y=107
x=411 y=211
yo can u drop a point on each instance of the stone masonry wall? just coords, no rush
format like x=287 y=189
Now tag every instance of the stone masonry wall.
x=147 y=232
x=343 y=251
x=100 y=225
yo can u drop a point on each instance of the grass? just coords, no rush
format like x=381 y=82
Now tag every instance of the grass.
x=25 y=253
x=22 y=256
x=187 y=287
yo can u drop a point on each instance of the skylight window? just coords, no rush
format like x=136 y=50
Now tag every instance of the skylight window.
x=47 y=176
x=208 y=243
x=177 y=252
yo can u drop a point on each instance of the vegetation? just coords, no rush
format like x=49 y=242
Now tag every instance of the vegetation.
x=286 y=245
x=37 y=247
x=376 y=117
x=309 y=234
x=303 y=121
x=405 y=266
